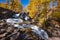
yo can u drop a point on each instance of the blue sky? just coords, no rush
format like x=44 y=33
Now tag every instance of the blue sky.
x=24 y=2
x=2 y=1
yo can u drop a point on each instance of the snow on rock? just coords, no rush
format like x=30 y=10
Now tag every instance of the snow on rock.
x=26 y=18
x=40 y=32
x=18 y=26
x=13 y=20
x=35 y=29
x=16 y=15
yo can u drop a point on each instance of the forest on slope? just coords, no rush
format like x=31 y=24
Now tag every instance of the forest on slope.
x=45 y=14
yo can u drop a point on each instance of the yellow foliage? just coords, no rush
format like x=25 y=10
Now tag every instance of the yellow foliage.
x=41 y=20
x=4 y=5
x=44 y=1
x=34 y=5
x=56 y=14
x=16 y=5
x=58 y=2
x=32 y=8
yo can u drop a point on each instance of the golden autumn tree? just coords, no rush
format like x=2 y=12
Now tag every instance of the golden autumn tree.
x=32 y=8
x=56 y=13
x=4 y=5
x=58 y=2
x=38 y=8
x=36 y=5
x=44 y=14
x=16 y=5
